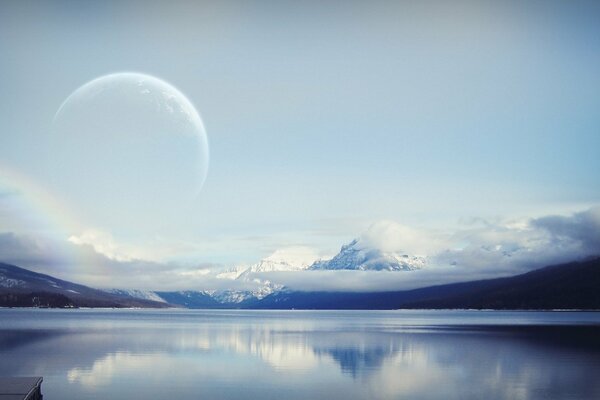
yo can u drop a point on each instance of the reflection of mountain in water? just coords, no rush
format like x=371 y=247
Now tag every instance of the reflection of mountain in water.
x=102 y=354
x=361 y=355
x=358 y=361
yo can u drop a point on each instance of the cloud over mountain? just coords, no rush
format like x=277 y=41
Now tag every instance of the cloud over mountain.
x=525 y=244
x=390 y=236
x=581 y=231
x=485 y=249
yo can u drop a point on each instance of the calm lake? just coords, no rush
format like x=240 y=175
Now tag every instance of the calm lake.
x=176 y=354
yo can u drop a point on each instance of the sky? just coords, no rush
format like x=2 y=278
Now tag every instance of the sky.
x=455 y=120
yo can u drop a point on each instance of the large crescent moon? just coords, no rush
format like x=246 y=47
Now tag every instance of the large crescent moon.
x=129 y=138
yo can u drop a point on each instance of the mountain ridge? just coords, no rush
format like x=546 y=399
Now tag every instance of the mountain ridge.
x=355 y=256
x=573 y=285
x=20 y=287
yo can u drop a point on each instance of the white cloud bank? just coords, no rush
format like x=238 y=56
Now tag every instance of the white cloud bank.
x=527 y=244
x=480 y=250
x=392 y=237
x=84 y=263
x=485 y=250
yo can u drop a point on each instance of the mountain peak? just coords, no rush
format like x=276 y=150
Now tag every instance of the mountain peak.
x=359 y=256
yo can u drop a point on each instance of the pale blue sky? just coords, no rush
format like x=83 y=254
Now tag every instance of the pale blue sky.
x=324 y=117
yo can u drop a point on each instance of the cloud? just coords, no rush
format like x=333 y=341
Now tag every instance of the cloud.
x=370 y=281
x=483 y=250
x=28 y=250
x=580 y=231
x=390 y=236
x=521 y=245
x=154 y=249
x=294 y=255
x=480 y=250
x=102 y=243
x=82 y=263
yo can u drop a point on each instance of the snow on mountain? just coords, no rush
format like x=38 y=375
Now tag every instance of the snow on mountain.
x=361 y=257
x=358 y=255
x=137 y=294
x=295 y=258
x=232 y=273
x=289 y=259
x=263 y=289
x=361 y=254
x=231 y=296
x=9 y=282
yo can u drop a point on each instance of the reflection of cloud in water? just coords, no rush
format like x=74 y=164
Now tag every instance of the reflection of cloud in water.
x=103 y=369
x=247 y=358
x=278 y=350
x=383 y=365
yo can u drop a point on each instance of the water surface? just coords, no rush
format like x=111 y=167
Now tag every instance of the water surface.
x=124 y=354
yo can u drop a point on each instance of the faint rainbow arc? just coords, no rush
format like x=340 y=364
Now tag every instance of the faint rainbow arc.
x=39 y=199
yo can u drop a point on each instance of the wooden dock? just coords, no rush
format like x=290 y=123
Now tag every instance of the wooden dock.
x=21 y=388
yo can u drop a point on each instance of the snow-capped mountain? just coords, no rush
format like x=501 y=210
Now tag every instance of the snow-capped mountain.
x=263 y=289
x=232 y=273
x=282 y=261
x=288 y=259
x=212 y=298
x=357 y=256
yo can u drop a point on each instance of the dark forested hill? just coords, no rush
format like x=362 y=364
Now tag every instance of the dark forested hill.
x=20 y=287
x=574 y=285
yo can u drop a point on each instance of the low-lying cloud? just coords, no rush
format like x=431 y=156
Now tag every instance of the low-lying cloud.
x=482 y=250
x=526 y=244
x=370 y=281
x=82 y=263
